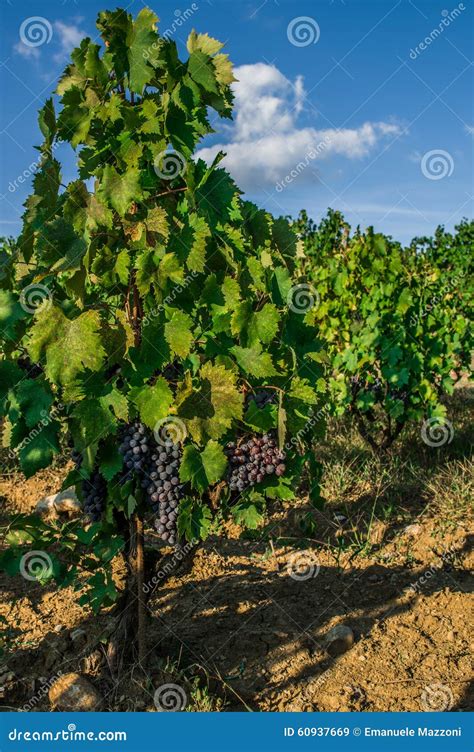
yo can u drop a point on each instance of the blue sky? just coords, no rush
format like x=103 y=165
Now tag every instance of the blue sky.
x=363 y=106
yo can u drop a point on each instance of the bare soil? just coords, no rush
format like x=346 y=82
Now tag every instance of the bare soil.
x=248 y=621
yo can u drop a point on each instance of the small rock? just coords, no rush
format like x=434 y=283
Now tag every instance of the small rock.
x=339 y=640
x=73 y=692
x=412 y=530
x=64 y=502
x=58 y=627
x=45 y=507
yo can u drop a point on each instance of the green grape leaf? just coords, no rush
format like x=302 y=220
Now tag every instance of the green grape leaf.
x=202 y=469
x=178 y=333
x=119 y=191
x=142 y=43
x=194 y=520
x=248 y=513
x=38 y=449
x=69 y=345
x=209 y=410
x=153 y=402
x=34 y=400
x=253 y=361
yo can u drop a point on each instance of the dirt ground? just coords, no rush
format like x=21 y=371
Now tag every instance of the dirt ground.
x=246 y=626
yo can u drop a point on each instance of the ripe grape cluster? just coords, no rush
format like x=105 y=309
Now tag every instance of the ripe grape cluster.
x=251 y=461
x=94 y=492
x=375 y=387
x=156 y=467
x=135 y=449
x=262 y=398
x=164 y=489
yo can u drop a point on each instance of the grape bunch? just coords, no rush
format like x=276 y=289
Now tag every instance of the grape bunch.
x=355 y=383
x=376 y=388
x=156 y=468
x=253 y=460
x=94 y=492
x=398 y=393
x=135 y=449
x=164 y=490
x=262 y=398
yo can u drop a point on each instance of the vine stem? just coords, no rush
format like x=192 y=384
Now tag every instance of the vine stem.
x=169 y=192
x=139 y=580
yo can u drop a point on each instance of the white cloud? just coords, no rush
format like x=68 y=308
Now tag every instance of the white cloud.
x=25 y=51
x=265 y=143
x=65 y=36
x=68 y=36
x=470 y=129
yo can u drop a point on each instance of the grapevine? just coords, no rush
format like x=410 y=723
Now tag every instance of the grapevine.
x=163 y=303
